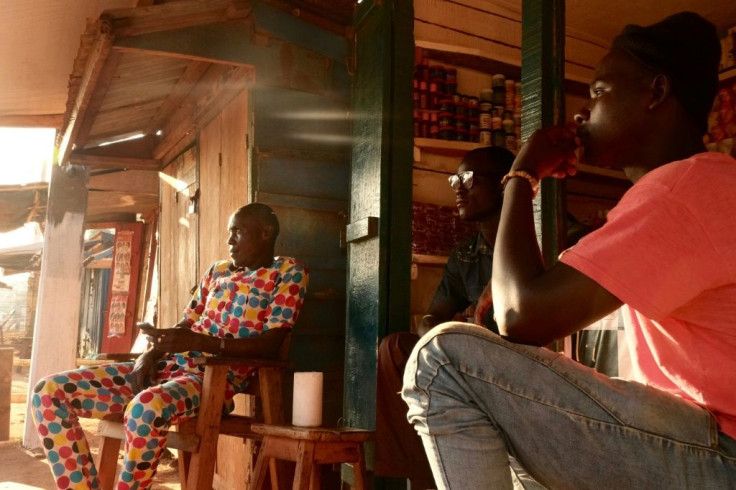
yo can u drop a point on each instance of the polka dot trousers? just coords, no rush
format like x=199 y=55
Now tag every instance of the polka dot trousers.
x=60 y=399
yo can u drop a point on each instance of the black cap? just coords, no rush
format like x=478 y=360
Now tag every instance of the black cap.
x=686 y=48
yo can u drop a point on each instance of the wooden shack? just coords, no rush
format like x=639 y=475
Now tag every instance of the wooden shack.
x=307 y=106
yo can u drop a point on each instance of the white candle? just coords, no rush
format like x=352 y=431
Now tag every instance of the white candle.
x=307 y=403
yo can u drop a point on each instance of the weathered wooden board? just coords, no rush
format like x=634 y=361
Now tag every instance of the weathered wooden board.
x=179 y=270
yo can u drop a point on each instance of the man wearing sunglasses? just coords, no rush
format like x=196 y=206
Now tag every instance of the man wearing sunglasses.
x=399 y=451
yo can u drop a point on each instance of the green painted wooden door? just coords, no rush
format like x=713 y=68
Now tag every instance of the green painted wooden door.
x=379 y=222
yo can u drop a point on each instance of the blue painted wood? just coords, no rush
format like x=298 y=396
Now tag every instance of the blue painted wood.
x=300 y=166
x=314 y=203
x=303 y=121
x=323 y=175
x=298 y=32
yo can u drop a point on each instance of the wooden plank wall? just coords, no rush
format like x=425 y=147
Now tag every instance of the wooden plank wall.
x=223 y=177
x=495 y=30
x=179 y=270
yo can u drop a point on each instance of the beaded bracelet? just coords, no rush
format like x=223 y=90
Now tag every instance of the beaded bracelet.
x=524 y=175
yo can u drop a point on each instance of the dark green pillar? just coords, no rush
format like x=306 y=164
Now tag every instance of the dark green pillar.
x=543 y=103
x=379 y=225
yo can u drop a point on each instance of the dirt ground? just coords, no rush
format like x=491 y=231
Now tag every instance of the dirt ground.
x=24 y=469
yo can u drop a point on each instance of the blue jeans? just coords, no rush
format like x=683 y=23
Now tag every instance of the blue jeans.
x=475 y=399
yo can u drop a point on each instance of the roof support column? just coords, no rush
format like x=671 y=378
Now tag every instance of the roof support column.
x=543 y=102
x=57 y=310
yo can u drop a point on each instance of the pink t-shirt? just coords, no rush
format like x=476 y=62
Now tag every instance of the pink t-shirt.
x=668 y=251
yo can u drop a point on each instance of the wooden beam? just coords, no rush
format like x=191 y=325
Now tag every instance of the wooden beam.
x=217 y=88
x=32 y=120
x=179 y=93
x=171 y=54
x=99 y=91
x=315 y=19
x=93 y=70
x=130 y=181
x=300 y=32
x=175 y=15
x=99 y=161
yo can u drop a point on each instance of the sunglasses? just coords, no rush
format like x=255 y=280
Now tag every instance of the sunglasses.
x=463 y=178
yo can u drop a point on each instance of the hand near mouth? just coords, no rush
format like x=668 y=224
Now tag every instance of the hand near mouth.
x=550 y=152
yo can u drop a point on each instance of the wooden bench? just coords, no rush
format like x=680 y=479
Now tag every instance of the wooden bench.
x=196 y=438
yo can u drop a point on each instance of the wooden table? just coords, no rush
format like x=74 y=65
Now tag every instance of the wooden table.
x=311 y=447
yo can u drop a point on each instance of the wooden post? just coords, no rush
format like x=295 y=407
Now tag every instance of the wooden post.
x=6 y=381
x=543 y=102
x=60 y=285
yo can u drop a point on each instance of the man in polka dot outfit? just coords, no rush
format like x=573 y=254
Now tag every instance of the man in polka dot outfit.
x=242 y=307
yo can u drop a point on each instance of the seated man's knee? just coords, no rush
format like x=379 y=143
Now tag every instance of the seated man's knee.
x=449 y=343
x=147 y=408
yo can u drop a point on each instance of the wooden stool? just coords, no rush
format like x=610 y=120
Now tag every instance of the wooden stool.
x=311 y=447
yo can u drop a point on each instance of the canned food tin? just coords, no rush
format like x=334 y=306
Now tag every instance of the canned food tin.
x=437 y=71
x=446 y=105
x=498 y=137
x=485 y=137
x=484 y=120
x=446 y=133
x=498 y=81
x=446 y=119
x=451 y=74
x=473 y=124
x=510 y=86
x=499 y=97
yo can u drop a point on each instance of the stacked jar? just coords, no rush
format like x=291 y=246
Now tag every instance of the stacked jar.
x=440 y=111
x=500 y=113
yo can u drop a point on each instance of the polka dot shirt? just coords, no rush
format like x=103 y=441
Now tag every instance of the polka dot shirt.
x=240 y=303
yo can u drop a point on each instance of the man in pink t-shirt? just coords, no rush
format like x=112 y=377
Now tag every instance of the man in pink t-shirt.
x=667 y=254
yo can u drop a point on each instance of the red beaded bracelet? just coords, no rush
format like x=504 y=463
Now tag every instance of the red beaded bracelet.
x=524 y=175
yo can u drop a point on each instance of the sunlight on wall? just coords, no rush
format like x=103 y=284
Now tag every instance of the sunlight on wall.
x=26 y=155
